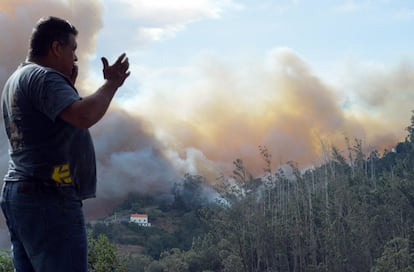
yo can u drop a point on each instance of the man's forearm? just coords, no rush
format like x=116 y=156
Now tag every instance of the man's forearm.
x=88 y=111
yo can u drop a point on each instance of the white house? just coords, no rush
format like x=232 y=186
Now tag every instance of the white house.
x=140 y=219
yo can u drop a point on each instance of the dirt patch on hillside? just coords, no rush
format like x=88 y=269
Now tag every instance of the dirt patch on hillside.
x=166 y=223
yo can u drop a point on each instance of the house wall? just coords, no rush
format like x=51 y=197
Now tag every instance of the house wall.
x=142 y=221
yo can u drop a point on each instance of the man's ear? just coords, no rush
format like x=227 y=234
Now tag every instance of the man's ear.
x=56 y=48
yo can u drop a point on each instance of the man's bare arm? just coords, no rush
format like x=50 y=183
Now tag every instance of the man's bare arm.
x=88 y=111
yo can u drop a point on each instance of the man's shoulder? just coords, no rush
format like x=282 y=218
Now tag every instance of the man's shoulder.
x=37 y=69
x=33 y=73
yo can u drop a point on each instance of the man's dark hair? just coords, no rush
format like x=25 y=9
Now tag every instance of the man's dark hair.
x=48 y=30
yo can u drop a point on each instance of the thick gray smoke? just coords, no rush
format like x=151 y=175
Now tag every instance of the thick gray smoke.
x=130 y=160
x=201 y=124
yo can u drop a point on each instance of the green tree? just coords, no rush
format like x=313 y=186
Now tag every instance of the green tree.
x=188 y=194
x=173 y=260
x=395 y=257
x=102 y=255
x=138 y=263
x=6 y=264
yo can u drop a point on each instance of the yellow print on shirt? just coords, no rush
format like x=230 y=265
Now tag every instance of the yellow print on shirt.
x=61 y=174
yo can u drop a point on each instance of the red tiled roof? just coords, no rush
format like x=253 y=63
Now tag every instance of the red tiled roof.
x=139 y=215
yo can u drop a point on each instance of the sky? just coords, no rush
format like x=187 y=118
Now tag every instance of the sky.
x=212 y=80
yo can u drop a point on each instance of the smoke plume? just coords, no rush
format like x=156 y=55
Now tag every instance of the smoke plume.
x=218 y=112
x=278 y=102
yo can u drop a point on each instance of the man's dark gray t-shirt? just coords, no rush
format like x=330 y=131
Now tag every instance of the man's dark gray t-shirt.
x=43 y=147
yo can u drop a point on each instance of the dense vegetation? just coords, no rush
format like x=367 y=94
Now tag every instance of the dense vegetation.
x=352 y=213
x=355 y=212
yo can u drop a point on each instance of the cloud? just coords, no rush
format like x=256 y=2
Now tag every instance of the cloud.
x=180 y=11
x=350 y=6
x=142 y=23
x=279 y=7
x=404 y=14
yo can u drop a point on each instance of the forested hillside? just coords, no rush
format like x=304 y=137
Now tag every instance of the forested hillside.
x=355 y=212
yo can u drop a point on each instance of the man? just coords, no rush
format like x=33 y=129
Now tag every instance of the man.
x=52 y=161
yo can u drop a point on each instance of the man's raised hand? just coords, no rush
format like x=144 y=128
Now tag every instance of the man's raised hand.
x=117 y=72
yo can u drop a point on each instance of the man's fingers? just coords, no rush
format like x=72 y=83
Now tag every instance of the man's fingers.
x=126 y=64
x=120 y=58
x=118 y=70
x=105 y=62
